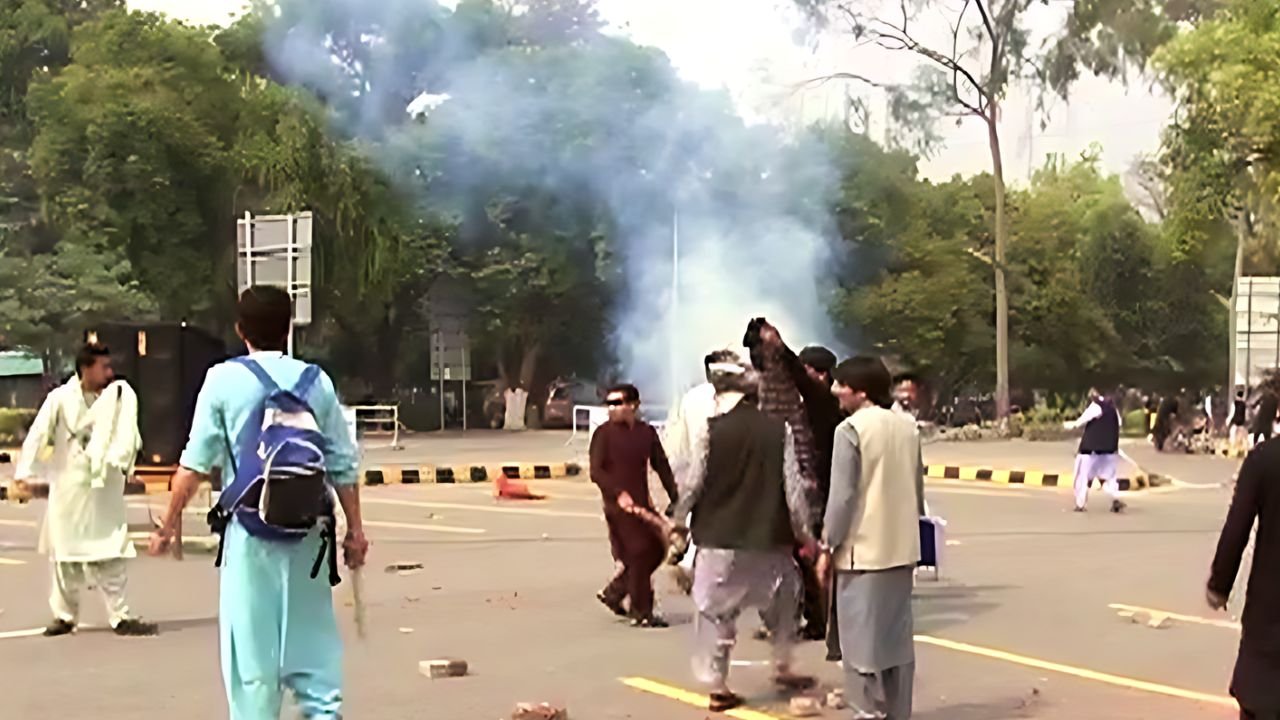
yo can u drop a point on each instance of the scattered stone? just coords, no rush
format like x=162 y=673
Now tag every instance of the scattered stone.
x=545 y=536
x=835 y=700
x=540 y=711
x=953 y=543
x=447 y=668
x=803 y=706
x=406 y=630
x=404 y=566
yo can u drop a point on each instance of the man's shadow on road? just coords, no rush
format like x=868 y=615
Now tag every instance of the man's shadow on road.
x=1011 y=708
x=940 y=606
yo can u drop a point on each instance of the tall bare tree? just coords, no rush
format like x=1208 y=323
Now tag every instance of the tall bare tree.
x=966 y=74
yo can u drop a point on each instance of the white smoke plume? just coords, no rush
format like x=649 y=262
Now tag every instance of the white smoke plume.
x=748 y=206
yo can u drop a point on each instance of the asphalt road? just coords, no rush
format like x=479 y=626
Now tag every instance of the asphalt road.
x=1019 y=626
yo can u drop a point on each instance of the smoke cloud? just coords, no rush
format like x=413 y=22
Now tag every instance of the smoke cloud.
x=713 y=222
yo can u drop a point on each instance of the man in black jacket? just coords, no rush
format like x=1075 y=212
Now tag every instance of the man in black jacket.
x=1099 y=450
x=810 y=373
x=1257 y=498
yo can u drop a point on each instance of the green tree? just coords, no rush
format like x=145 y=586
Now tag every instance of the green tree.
x=925 y=300
x=47 y=300
x=129 y=153
x=988 y=52
x=1222 y=150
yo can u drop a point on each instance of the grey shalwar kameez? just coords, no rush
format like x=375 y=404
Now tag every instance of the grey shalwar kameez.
x=727 y=581
x=872 y=522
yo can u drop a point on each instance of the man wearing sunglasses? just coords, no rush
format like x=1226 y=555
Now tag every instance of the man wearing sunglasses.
x=622 y=451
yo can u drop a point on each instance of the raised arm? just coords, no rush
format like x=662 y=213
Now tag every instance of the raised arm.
x=1091 y=413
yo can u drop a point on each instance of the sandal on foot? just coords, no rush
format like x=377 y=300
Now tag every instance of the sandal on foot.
x=723 y=701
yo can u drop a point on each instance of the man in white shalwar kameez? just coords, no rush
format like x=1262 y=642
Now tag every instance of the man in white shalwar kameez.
x=91 y=422
x=686 y=429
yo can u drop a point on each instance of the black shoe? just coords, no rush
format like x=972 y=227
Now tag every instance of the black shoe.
x=135 y=628
x=1117 y=506
x=615 y=606
x=813 y=633
x=652 y=621
x=1080 y=508
x=724 y=701
x=59 y=627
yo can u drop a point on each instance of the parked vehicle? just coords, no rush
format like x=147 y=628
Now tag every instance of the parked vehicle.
x=563 y=395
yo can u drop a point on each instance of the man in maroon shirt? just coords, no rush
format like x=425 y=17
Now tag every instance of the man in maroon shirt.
x=622 y=450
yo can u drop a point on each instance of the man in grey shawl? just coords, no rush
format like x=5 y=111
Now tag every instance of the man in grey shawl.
x=871 y=537
x=747 y=498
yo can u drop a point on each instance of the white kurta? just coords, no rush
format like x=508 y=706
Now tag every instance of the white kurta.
x=86 y=519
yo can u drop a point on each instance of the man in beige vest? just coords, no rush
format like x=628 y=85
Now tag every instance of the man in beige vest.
x=872 y=539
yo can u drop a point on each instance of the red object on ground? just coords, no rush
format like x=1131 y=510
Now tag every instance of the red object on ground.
x=509 y=489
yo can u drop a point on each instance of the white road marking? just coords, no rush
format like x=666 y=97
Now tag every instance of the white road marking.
x=1193 y=619
x=481 y=508
x=423 y=526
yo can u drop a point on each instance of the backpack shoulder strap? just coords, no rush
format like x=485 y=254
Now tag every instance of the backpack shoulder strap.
x=258 y=372
x=306 y=382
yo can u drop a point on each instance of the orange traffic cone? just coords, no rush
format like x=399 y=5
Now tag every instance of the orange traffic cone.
x=509 y=489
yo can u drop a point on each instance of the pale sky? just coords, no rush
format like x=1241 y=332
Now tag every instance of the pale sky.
x=756 y=50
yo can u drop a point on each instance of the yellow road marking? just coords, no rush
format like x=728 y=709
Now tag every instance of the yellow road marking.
x=1102 y=677
x=11 y=561
x=690 y=698
x=956 y=490
x=423 y=526
x=1229 y=625
x=18 y=523
x=480 y=508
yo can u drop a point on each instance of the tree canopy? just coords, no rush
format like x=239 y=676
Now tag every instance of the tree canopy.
x=534 y=165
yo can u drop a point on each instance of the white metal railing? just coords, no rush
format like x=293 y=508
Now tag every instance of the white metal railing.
x=372 y=421
x=594 y=416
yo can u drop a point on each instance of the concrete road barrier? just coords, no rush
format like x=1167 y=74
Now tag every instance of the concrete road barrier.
x=1034 y=478
x=456 y=474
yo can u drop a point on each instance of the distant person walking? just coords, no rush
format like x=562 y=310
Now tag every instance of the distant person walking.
x=1238 y=423
x=1256 y=501
x=1099 y=453
x=622 y=451
x=1166 y=417
x=872 y=539
x=1264 y=419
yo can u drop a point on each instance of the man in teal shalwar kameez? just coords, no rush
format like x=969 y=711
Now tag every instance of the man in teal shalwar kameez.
x=278 y=629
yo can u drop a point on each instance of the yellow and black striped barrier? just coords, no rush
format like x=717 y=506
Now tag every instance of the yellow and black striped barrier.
x=1032 y=478
x=456 y=474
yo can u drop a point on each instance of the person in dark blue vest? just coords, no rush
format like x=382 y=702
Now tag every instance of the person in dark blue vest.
x=1099 y=452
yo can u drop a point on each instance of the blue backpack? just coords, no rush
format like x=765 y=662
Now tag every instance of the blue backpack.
x=280 y=491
